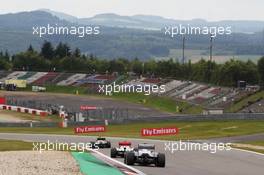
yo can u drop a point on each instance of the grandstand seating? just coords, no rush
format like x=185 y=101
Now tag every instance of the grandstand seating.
x=151 y=80
x=179 y=92
x=13 y=75
x=171 y=86
x=26 y=76
x=71 y=80
x=35 y=77
x=61 y=77
x=193 y=92
x=4 y=74
x=46 y=79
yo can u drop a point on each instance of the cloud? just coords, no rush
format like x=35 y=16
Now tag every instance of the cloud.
x=177 y=9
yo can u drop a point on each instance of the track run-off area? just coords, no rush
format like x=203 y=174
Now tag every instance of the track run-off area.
x=230 y=162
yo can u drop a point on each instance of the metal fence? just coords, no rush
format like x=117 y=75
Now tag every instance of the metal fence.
x=118 y=114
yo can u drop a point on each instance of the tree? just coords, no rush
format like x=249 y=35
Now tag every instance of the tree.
x=30 y=48
x=117 y=66
x=137 y=66
x=6 y=56
x=261 y=71
x=4 y=65
x=47 y=50
x=30 y=61
x=150 y=67
x=62 y=50
x=77 y=53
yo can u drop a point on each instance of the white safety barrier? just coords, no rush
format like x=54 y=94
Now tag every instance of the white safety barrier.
x=24 y=110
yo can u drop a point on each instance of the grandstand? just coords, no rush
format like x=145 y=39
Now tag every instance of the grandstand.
x=35 y=77
x=71 y=79
x=192 y=92
x=46 y=79
x=13 y=75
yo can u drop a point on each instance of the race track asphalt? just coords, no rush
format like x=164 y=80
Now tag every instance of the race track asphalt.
x=233 y=162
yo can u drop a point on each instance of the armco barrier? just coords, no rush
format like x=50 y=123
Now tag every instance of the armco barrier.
x=190 y=118
x=23 y=110
x=91 y=123
x=29 y=124
x=145 y=119
x=48 y=124
x=14 y=124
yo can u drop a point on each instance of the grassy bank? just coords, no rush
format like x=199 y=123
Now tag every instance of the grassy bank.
x=188 y=130
x=245 y=101
x=256 y=142
x=256 y=146
x=160 y=103
x=250 y=149
x=60 y=89
x=11 y=145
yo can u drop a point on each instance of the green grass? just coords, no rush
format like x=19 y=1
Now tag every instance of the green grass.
x=256 y=142
x=250 y=149
x=61 y=89
x=253 y=148
x=11 y=145
x=188 y=130
x=164 y=104
x=244 y=102
x=160 y=103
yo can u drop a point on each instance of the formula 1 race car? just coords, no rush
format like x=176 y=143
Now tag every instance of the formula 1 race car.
x=101 y=142
x=145 y=155
x=124 y=147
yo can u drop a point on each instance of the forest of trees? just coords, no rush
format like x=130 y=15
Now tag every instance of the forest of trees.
x=63 y=59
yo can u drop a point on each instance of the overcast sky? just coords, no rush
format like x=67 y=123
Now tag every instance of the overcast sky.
x=177 y=9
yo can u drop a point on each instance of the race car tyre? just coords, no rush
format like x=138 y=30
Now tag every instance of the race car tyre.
x=129 y=158
x=160 y=160
x=93 y=145
x=108 y=145
x=113 y=152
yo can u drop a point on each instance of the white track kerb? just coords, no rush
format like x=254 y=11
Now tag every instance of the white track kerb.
x=23 y=110
x=119 y=163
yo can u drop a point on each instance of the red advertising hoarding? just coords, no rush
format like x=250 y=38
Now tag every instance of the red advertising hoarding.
x=85 y=107
x=89 y=129
x=159 y=131
x=2 y=100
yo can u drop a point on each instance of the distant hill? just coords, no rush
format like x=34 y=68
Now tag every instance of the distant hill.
x=122 y=36
x=157 y=22
x=60 y=15
x=26 y=20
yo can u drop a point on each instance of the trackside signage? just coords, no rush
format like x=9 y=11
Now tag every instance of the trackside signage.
x=159 y=131
x=85 y=107
x=2 y=100
x=89 y=129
